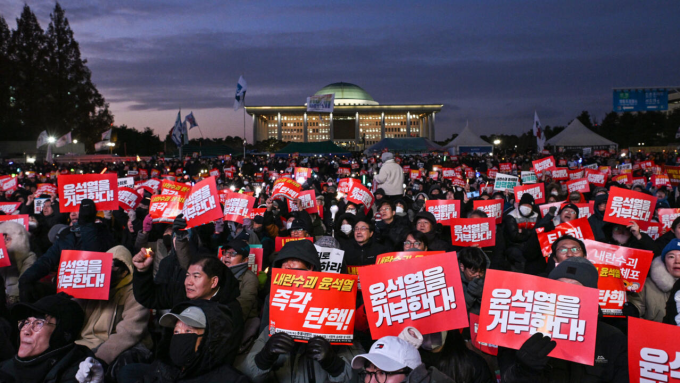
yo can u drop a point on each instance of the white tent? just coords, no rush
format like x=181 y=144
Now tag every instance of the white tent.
x=577 y=135
x=468 y=142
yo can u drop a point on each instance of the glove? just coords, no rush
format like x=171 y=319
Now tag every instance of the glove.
x=279 y=343
x=87 y=212
x=476 y=287
x=630 y=310
x=147 y=224
x=534 y=352
x=178 y=226
x=552 y=210
x=320 y=350
x=90 y=371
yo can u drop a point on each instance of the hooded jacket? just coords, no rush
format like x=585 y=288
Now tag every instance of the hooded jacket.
x=391 y=178
x=596 y=219
x=117 y=324
x=20 y=255
x=214 y=356
x=393 y=234
x=651 y=301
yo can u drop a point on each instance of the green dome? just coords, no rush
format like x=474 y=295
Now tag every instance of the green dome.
x=346 y=93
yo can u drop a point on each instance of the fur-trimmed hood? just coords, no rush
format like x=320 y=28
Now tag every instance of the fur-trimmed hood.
x=660 y=275
x=19 y=247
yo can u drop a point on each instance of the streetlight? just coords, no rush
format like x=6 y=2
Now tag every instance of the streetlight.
x=51 y=140
x=496 y=142
x=75 y=141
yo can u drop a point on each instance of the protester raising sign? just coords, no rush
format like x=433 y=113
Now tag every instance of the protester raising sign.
x=633 y=263
x=576 y=174
x=128 y=199
x=505 y=182
x=577 y=228
x=175 y=188
x=165 y=208
x=580 y=185
x=468 y=232
x=21 y=219
x=516 y=306
x=560 y=174
x=537 y=191
x=443 y=210
x=48 y=189
x=448 y=173
x=625 y=205
x=202 y=204
x=529 y=177
x=302 y=174
x=237 y=207
x=100 y=188
x=402 y=255
x=653 y=351
x=360 y=194
x=286 y=188
x=306 y=304
x=493 y=208
x=307 y=200
x=425 y=293
x=659 y=181
x=85 y=274
x=281 y=241
x=9 y=207
x=666 y=218
x=544 y=164
x=612 y=290
x=596 y=177
x=505 y=167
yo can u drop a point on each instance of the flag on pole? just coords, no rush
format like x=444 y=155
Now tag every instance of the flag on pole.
x=539 y=133
x=240 y=99
x=42 y=139
x=106 y=136
x=179 y=131
x=191 y=120
x=63 y=140
x=48 y=156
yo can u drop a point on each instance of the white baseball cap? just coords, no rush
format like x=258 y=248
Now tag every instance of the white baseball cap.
x=390 y=354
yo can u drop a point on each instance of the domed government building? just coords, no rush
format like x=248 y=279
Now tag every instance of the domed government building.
x=357 y=121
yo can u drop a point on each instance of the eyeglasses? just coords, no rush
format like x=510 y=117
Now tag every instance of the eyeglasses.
x=380 y=376
x=384 y=209
x=36 y=325
x=360 y=229
x=414 y=243
x=230 y=254
x=573 y=250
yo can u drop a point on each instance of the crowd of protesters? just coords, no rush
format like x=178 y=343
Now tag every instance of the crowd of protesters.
x=183 y=306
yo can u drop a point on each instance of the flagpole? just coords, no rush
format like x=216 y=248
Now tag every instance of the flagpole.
x=244 y=132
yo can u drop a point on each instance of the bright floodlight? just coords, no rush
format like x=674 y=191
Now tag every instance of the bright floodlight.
x=496 y=142
x=51 y=140
x=75 y=141
x=111 y=144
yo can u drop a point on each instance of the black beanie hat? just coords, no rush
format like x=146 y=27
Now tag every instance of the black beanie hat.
x=88 y=211
x=68 y=313
x=526 y=199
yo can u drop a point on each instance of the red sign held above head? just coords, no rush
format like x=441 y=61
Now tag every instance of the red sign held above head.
x=536 y=190
x=360 y=194
x=165 y=208
x=202 y=204
x=505 y=167
x=45 y=189
x=237 y=207
x=576 y=174
x=101 y=188
x=623 y=179
x=18 y=218
x=666 y=218
x=516 y=306
x=436 y=299
x=492 y=207
x=128 y=199
x=560 y=174
x=302 y=174
x=287 y=188
x=308 y=200
x=214 y=172
x=479 y=232
x=580 y=185
x=659 y=181
x=491 y=173
x=544 y=164
x=9 y=207
x=624 y=206
x=414 y=174
x=85 y=274
x=596 y=177
x=633 y=263
x=577 y=228
x=448 y=173
x=444 y=210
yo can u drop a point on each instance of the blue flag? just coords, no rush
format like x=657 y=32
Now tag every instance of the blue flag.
x=240 y=98
x=179 y=131
x=191 y=120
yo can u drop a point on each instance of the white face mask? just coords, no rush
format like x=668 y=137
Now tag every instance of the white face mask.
x=525 y=210
x=288 y=225
x=399 y=209
x=554 y=192
x=352 y=211
x=346 y=229
x=245 y=182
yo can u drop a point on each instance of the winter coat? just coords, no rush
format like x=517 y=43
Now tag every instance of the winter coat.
x=20 y=255
x=421 y=374
x=114 y=325
x=651 y=301
x=611 y=363
x=57 y=366
x=293 y=368
x=214 y=356
x=248 y=285
x=393 y=234
x=672 y=306
x=511 y=222
x=391 y=178
x=437 y=243
x=362 y=255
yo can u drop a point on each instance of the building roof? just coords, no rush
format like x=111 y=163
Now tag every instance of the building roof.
x=411 y=144
x=467 y=138
x=577 y=134
x=347 y=94
x=306 y=148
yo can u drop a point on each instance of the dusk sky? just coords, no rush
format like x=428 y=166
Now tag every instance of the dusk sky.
x=490 y=62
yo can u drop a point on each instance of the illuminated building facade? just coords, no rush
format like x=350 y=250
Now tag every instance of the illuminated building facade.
x=357 y=120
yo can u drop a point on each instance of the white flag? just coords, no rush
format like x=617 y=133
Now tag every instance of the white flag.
x=63 y=140
x=539 y=133
x=42 y=139
x=48 y=156
x=240 y=98
x=99 y=146
x=106 y=136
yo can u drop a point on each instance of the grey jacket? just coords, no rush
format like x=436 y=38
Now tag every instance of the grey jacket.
x=391 y=178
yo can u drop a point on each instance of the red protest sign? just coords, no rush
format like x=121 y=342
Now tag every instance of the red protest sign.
x=633 y=263
x=596 y=177
x=536 y=190
x=444 y=210
x=255 y=258
x=9 y=207
x=165 y=208
x=612 y=290
x=435 y=295
x=307 y=200
x=470 y=173
x=45 y=189
x=467 y=232
x=486 y=348
x=128 y=199
x=623 y=179
x=492 y=207
x=560 y=174
x=85 y=274
x=576 y=174
x=281 y=241
x=625 y=205
x=344 y=171
x=448 y=173
x=505 y=167
x=360 y=194
x=155 y=173
x=433 y=175
x=150 y=185
x=544 y=164
x=491 y=173
x=666 y=218
x=255 y=212
x=577 y=228
x=654 y=230
x=653 y=351
x=237 y=207
x=659 y=181
x=287 y=188
x=580 y=185
x=403 y=255
x=673 y=174
x=202 y=204
x=305 y=304
x=562 y=162
x=516 y=306
x=143 y=174
x=302 y=174
x=214 y=172
x=414 y=174
x=101 y=188
x=646 y=164
x=4 y=256
x=18 y=218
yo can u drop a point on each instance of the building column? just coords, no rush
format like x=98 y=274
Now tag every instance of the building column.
x=408 y=124
x=304 y=128
x=330 y=127
x=431 y=123
x=254 y=127
x=382 y=126
x=278 y=127
x=357 y=131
